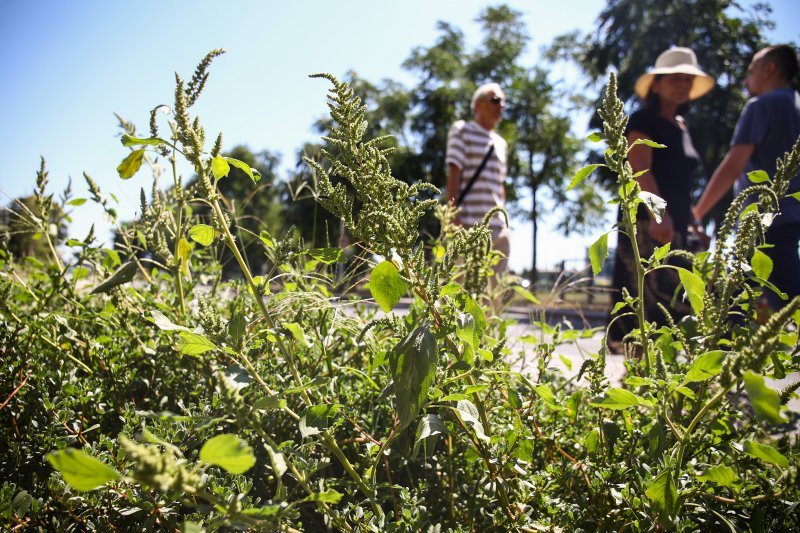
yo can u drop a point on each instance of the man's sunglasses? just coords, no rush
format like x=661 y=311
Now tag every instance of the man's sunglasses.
x=496 y=100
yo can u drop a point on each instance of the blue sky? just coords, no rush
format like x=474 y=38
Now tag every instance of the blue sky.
x=68 y=66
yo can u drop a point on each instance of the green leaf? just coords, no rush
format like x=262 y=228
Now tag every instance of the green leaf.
x=595 y=137
x=277 y=460
x=165 y=324
x=648 y=142
x=220 y=167
x=315 y=419
x=413 y=366
x=766 y=453
x=582 y=174
x=663 y=494
x=131 y=164
x=77 y=201
x=184 y=253
x=80 y=469
x=758 y=176
x=686 y=391
x=705 y=366
x=270 y=403
x=591 y=440
x=266 y=238
x=469 y=415
x=203 y=234
x=615 y=398
x=662 y=251
x=386 y=285
x=450 y=289
x=123 y=275
x=237 y=327
x=428 y=431
x=694 y=287
x=723 y=476
x=761 y=264
x=192 y=527
x=264 y=512
x=326 y=255
x=795 y=195
x=548 y=397
x=297 y=333
x=465 y=329
x=229 y=452
x=528 y=295
x=130 y=140
x=253 y=174
x=764 y=400
x=655 y=204
x=329 y=496
x=194 y=344
x=598 y=252
x=476 y=311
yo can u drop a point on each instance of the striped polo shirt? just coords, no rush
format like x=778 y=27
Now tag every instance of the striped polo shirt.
x=467 y=144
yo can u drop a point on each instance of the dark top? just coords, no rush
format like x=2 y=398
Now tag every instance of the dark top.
x=772 y=123
x=673 y=167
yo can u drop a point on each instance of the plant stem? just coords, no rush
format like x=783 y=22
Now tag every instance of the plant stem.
x=329 y=441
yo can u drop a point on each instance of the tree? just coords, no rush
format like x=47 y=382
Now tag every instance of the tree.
x=631 y=33
x=546 y=155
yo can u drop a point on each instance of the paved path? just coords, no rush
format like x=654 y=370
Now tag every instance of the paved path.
x=524 y=361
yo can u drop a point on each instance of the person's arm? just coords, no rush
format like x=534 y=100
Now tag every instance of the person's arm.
x=453 y=182
x=723 y=178
x=641 y=158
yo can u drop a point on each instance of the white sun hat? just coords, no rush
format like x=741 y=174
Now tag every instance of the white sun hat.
x=676 y=60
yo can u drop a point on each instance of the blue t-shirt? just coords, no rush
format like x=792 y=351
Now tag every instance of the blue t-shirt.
x=771 y=122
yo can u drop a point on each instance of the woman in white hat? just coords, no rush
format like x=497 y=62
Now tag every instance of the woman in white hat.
x=666 y=91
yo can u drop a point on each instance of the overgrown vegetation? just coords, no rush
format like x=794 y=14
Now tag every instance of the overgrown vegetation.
x=143 y=392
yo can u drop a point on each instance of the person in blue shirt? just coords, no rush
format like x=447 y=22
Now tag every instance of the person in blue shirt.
x=768 y=128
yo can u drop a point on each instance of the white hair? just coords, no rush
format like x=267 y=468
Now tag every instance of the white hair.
x=483 y=90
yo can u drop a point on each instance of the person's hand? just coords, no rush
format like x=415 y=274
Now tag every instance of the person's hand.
x=662 y=232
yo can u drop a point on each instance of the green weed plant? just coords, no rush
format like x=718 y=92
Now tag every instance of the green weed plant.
x=142 y=391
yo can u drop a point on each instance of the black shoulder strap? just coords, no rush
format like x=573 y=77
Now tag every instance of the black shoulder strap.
x=475 y=176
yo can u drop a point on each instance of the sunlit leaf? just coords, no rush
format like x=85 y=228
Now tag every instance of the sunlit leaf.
x=615 y=398
x=194 y=344
x=386 y=285
x=766 y=453
x=654 y=204
x=705 y=366
x=694 y=287
x=758 y=176
x=329 y=496
x=648 y=142
x=316 y=419
x=582 y=174
x=326 y=255
x=723 y=476
x=131 y=164
x=761 y=264
x=598 y=252
x=528 y=295
x=252 y=173
x=765 y=402
x=80 y=469
x=229 y=452
x=130 y=140
x=203 y=234
x=220 y=167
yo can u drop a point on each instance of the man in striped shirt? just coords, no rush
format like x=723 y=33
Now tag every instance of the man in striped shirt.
x=467 y=145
